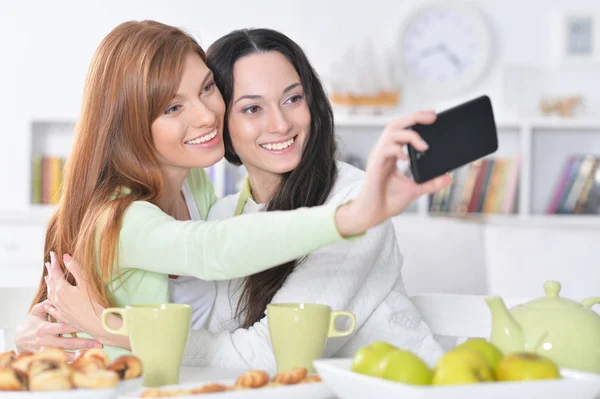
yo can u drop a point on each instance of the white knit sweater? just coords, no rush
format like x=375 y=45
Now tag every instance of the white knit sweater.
x=362 y=276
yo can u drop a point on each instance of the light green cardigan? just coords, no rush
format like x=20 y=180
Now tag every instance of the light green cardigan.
x=153 y=245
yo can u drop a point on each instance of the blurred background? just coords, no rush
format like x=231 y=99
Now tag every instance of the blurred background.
x=527 y=214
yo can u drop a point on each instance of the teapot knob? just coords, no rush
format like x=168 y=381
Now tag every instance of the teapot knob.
x=552 y=288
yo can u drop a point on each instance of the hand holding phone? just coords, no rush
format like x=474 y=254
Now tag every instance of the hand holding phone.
x=460 y=135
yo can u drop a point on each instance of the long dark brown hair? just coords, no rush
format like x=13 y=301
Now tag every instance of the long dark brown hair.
x=307 y=185
x=133 y=76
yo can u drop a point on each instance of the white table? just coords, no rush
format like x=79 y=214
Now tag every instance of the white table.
x=192 y=375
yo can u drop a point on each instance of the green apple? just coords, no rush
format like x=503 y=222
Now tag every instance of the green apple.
x=523 y=366
x=489 y=351
x=366 y=359
x=403 y=366
x=462 y=366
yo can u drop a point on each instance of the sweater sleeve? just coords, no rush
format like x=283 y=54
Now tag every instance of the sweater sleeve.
x=220 y=250
x=334 y=276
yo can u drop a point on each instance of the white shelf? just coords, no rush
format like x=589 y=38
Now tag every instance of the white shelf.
x=35 y=214
x=539 y=123
x=540 y=165
x=515 y=220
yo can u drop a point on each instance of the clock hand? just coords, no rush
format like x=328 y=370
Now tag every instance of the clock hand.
x=426 y=52
x=452 y=57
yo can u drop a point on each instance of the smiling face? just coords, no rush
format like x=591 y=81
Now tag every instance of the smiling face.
x=269 y=119
x=188 y=134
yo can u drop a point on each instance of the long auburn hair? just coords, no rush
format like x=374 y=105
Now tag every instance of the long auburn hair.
x=134 y=74
x=310 y=183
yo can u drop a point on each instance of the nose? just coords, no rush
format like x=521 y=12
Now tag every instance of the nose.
x=203 y=115
x=277 y=122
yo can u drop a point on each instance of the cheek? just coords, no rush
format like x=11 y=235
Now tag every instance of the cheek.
x=243 y=133
x=305 y=120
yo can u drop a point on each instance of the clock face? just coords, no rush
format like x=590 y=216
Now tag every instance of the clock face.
x=444 y=47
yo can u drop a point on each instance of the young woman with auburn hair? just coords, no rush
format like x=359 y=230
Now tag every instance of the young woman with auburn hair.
x=135 y=197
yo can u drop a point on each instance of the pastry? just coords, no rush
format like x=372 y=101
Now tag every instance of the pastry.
x=159 y=393
x=7 y=358
x=50 y=380
x=87 y=364
x=22 y=362
x=43 y=366
x=253 y=379
x=209 y=389
x=51 y=353
x=127 y=367
x=310 y=379
x=292 y=376
x=96 y=354
x=95 y=379
x=12 y=380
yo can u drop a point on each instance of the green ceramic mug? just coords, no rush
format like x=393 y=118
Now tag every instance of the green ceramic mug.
x=158 y=334
x=299 y=332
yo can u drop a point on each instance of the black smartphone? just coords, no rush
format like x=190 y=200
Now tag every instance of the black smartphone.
x=460 y=135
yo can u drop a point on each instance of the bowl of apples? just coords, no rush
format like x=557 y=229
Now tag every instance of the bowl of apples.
x=474 y=369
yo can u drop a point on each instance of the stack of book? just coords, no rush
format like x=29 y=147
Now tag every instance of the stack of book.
x=484 y=186
x=577 y=190
x=47 y=175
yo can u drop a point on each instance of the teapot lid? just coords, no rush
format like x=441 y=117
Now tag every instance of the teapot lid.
x=552 y=298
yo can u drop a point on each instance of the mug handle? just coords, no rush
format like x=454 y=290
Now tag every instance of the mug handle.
x=119 y=311
x=333 y=332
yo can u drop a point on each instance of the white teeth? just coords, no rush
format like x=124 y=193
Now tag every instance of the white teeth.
x=278 y=146
x=204 y=138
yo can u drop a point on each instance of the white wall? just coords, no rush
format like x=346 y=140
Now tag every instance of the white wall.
x=46 y=48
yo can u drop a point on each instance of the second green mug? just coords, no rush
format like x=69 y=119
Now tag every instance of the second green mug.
x=158 y=334
x=299 y=332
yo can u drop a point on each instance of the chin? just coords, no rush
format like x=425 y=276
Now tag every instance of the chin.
x=209 y=159
x=283 y=167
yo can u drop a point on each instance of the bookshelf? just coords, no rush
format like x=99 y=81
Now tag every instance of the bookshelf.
x=542 y=146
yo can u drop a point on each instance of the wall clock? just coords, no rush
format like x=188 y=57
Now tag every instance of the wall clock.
x=444 y=47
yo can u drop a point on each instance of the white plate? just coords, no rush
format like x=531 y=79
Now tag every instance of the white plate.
x=108 y=393
x=316 y=390
x=350 y=385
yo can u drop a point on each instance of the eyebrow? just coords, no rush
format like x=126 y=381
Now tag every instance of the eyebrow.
x=257 y=96
x=208 y=75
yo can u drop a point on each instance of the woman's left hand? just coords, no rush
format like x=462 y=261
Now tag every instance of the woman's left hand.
x=72 y=304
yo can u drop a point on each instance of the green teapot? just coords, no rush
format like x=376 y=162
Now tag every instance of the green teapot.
x=563 y=330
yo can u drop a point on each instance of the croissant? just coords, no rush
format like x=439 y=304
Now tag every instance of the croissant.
x=292 y=376
x=127 y=367
x=253 y=379
x=12 y=380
